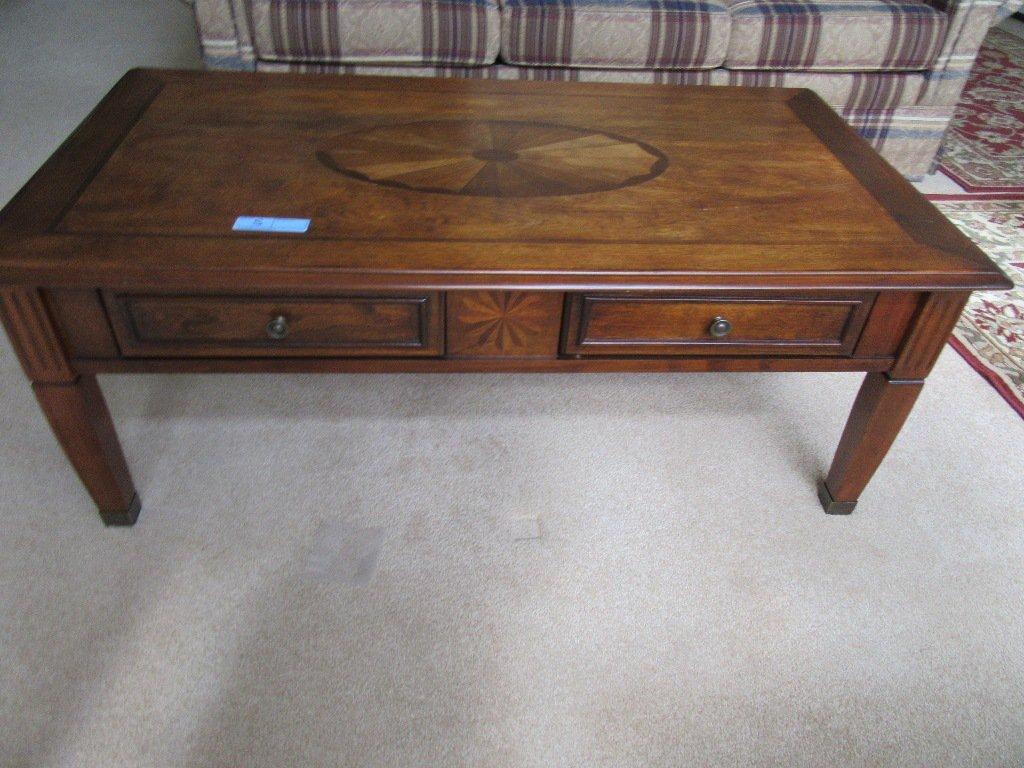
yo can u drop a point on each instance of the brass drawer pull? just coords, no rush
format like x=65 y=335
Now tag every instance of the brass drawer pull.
x=278 y=328
x=720 y=327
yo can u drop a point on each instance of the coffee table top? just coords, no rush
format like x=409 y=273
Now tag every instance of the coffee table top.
x=448 y=182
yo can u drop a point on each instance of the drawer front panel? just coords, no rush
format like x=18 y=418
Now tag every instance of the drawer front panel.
x=154 y=325
x=672 y=324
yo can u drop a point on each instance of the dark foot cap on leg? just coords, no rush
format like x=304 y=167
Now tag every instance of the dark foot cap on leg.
x=123 y=516
x=833 y=507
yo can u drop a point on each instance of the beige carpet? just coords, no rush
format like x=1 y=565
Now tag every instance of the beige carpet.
x=490 y=571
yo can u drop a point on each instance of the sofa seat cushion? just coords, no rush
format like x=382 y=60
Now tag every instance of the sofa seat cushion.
x=834 y=35
x=380 y=31
x=615 y=34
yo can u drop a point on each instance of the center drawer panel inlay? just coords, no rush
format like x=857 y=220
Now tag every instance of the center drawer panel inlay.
x=504 y=324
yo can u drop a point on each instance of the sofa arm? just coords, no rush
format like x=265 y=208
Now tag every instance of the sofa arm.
x=224 y=34
x=969 y=22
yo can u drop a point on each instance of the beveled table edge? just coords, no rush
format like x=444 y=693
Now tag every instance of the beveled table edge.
x=31 y=254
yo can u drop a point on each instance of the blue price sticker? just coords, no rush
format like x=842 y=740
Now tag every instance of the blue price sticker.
x=268 y=224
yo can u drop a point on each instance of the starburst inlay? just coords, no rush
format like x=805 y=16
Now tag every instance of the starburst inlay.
x=503 y=323
x=493 y=158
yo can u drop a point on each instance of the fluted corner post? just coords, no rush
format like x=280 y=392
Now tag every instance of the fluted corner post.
x=73 y=404
x=885 y=401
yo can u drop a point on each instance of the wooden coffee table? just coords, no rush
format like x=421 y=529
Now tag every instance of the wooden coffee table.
x=471 y=225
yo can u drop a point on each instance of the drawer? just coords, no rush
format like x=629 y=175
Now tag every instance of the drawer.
x=645 y=324
x=163 y=325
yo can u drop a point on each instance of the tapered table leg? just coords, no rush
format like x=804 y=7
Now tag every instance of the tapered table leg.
x=79 y=418
x=881 y=407
x=73 y=404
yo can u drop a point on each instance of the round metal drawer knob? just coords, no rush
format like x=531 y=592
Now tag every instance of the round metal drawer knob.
x=720 y=327
x=278 y=327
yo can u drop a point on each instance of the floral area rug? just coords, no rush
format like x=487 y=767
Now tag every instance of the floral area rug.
x=984 y=147
x=990 y=333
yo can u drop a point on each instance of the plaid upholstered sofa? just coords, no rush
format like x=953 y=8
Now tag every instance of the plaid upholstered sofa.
x=893 y=68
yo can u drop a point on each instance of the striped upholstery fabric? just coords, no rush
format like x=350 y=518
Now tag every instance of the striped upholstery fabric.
x=843 y=91
x=381 y=31
x=218 y=34
x=509 y=72
x=846 y=92
x=834 y=35
x=590 y=75
x=909 y=138
x=969 y=22
x=626 y=34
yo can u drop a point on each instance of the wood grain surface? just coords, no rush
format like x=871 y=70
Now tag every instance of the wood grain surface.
x=748 y=186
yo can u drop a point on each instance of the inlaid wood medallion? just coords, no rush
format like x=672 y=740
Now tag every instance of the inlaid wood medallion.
x=493 y=158
x=503 y=323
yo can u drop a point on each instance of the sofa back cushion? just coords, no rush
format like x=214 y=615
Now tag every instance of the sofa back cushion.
x=615 y=34
x=379 y=31
x=834 y=35
x=780 y=35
